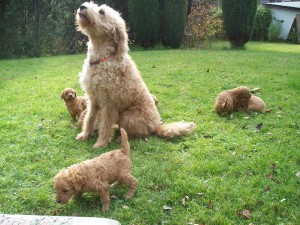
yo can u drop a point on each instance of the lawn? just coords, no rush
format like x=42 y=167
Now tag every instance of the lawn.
x=222 y=173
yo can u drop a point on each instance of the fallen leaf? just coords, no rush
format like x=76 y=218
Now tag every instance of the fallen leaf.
x=166 y=208
x=258 y=127
x=273 y=167
x=270 y=176
x=114 y=197
x=256 y=89
x=209 y=205
x=298 y=174
x=246 y=213
x=246 y=127
x=268 y=110
x=125 y=207
x=184 y=200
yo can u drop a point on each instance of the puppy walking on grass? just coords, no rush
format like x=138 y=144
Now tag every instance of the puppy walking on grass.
x=113 y=84
x=96 y=175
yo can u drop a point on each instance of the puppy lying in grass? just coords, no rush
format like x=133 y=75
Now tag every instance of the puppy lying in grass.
x=96 y=175
x=75 y=105
x=256 y=104
x=233 y=100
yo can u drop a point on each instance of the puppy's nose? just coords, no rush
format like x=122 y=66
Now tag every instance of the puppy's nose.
x=82 y=7
x=58 y=201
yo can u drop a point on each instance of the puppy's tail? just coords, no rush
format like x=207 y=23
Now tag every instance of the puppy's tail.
x=175 y=129
x=125 y=147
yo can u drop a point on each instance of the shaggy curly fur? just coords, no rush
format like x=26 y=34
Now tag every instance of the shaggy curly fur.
x=75 y=105
x=113 y=83
x=96 y=175
x=233 y=100
x=256 y=104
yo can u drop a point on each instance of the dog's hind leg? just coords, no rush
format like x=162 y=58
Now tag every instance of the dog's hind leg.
x=131 y=182
x=88 y=123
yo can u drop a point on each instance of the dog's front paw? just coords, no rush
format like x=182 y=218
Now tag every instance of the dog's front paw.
x=100 y=144
x=82 y=136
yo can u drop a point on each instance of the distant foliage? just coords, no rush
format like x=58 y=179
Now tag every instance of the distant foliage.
x=239 y=17
x=173 y=20
x=204 y=24
x=263 y=20
x=144 y=17
x=274 y=30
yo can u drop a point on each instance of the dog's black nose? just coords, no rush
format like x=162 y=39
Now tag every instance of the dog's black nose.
x=58 y=201
x=82 y=7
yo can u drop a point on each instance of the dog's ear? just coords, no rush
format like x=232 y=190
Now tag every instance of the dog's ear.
x=224 y=105
x=121 y=40
x=62 y=95
x=77 y=182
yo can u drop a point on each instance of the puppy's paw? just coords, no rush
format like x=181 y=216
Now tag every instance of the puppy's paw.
x=82 y=136
x=105 y=208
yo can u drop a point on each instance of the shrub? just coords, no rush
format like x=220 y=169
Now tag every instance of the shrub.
x=239 y=17
x=274 y=30
x=173 y=20
x=144 y=17
x=262 y=22
x=204 y=23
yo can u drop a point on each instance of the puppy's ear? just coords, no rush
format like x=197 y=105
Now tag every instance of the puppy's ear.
x=77 y=182
x=224 y=105
x=121 y=40
x=62 y=94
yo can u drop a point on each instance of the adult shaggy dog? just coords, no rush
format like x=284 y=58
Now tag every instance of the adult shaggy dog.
x=113 y=83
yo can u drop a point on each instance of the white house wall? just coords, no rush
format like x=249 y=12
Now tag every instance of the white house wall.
x=287 y=16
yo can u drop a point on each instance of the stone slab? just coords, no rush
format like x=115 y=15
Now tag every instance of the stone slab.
x=6 y=219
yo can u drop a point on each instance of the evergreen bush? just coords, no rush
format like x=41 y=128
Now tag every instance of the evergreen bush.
x=145 y=20
x=239 y=17
x=173 y=18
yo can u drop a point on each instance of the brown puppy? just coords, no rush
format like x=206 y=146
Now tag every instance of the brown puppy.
x=256 y=104
x=233 y=100
x=75 y=105
x=96 y=175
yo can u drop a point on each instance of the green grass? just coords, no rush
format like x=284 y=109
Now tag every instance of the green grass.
x=221 y=167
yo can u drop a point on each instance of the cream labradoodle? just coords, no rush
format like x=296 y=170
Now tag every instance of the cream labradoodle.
x=113 y=83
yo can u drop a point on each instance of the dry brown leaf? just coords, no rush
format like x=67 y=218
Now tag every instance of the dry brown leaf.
x=184 y=200
x=167 y=208
x=246 y=213
x=273 y=167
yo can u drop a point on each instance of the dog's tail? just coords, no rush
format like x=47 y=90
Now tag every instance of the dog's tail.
x=125 y=147
x=175 y=129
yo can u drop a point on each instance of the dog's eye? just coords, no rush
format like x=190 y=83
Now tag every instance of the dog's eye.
x=65 y=191
x=101 y=12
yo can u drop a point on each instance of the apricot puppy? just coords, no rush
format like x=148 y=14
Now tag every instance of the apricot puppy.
x=233 y=100
x=96 y=175
x=75 y=105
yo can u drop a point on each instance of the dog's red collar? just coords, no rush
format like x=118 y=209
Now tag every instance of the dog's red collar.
x=100 y=60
